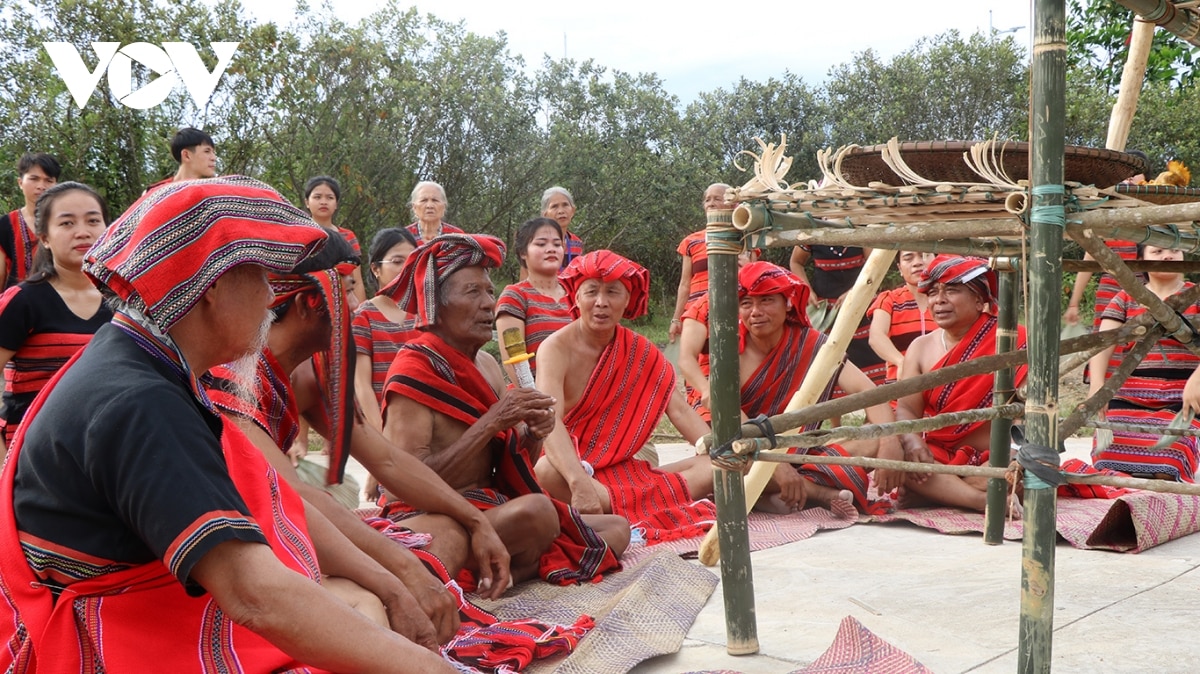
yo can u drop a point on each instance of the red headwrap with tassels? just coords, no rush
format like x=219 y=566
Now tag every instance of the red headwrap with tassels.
x=416 y=288
x=763 y=278
x=606 y=266
x=334 y=367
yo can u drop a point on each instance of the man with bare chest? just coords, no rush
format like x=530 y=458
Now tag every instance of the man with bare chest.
x=442 y=404
x=961 y=292
x=611 y=387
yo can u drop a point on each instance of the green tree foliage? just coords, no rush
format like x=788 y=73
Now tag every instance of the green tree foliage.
x=945 y=88
x=1098 y=44
x=399 y=97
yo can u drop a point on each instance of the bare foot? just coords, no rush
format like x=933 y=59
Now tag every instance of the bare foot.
x=771 y=503
x=842 y=505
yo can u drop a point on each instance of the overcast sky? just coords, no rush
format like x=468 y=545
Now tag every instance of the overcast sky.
x=709 y=44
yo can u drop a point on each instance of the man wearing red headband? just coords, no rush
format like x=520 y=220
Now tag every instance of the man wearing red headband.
x=140 y=531
x=961 y=292
x=442 y=404
x=776 y=348
x=611 y=387
x=310 y=319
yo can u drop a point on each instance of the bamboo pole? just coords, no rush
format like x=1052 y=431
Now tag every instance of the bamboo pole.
x=737 y=578
x=1172 y=322
x=1131 y=85
x=1180 y=266
x=824 y=436
x=1160 y=486
x=1129 y=363
x=1139 y=428
x=824 y=364
x=1183 y=22
x=1047 y=220
x=1006 y=340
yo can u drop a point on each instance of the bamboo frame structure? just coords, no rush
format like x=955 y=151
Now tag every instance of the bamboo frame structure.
x=997 y=217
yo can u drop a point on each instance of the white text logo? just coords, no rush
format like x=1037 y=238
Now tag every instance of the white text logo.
x=171 y=62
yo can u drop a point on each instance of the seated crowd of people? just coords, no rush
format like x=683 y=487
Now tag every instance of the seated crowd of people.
x=162 y=372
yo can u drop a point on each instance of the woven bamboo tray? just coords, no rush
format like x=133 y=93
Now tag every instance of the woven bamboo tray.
x=942 y=161
x=1161 y=194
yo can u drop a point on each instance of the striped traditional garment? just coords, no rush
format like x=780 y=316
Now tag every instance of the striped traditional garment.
x=434 y=374
x=698 y=311
x=771 y=387
x=836 y=269
x=908 y=321
x=1107 y=288
x=19 y=243
x=268 y=401
x=968 y=393
x=378 y=338
x=43 y=333
x=693 y=247
x=347 y=268
x=443 y=228
x=543 y=315
x=1151 y=396
x=572 y=248
x=624 y=399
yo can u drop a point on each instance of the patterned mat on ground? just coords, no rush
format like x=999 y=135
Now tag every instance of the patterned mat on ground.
x=1131 y=523
x=856 y=650
x=766 y=531
x=640 y=612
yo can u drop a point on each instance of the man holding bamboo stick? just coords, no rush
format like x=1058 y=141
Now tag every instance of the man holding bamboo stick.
x=962 y=293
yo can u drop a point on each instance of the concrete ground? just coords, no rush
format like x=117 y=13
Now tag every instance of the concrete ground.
x=952 y=602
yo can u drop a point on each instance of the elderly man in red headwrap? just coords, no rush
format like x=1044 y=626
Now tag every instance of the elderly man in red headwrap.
x=961 y=291
x=306 y=366
x=141 y=532
x=776 y=348
x=442 y=403
x=611 y=386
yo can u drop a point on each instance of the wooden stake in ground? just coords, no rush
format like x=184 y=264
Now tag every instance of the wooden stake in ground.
x=824 y=364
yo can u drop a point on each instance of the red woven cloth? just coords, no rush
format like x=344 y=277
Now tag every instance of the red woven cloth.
x=432 y=373
x=273 y=409
x=698 y=311
x=107 y=618
x=758 y=279
x=624 y=398
x=771 y=387
x=606 y=266
x=416 y=288
x=908 y=321
x=968 y=393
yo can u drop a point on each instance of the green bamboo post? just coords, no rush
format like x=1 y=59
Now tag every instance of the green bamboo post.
x=729 y=494
x=1047 y=222
x=993 y=532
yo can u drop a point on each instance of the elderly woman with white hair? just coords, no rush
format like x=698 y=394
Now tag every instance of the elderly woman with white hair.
x=428 y=203
x=559 y=205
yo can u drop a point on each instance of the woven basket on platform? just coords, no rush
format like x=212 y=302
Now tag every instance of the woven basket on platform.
x=942 y=161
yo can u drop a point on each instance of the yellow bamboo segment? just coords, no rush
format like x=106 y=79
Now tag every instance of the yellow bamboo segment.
x=824 y=364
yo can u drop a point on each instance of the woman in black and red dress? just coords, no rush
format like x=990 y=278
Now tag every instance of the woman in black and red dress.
x=53 y=314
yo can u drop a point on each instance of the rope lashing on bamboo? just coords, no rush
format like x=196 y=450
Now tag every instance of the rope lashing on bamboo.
x=724 y=456
x=720 y=236
x=1039 y=462
x=1048 y=214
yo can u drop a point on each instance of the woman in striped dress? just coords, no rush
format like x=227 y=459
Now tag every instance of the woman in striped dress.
x=538 y=305
x=321 y=196
x=900 y=315
x=48 y=318
x=1153 y=395
x=379 y=326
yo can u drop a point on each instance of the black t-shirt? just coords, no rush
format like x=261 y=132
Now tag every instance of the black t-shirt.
x=122 y=466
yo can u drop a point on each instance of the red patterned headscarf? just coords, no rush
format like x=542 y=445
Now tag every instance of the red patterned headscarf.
x=172 y=245
x=972 y=272
x=334 y=367
x=419 y=283
x=606 y=266
x=763 y=278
